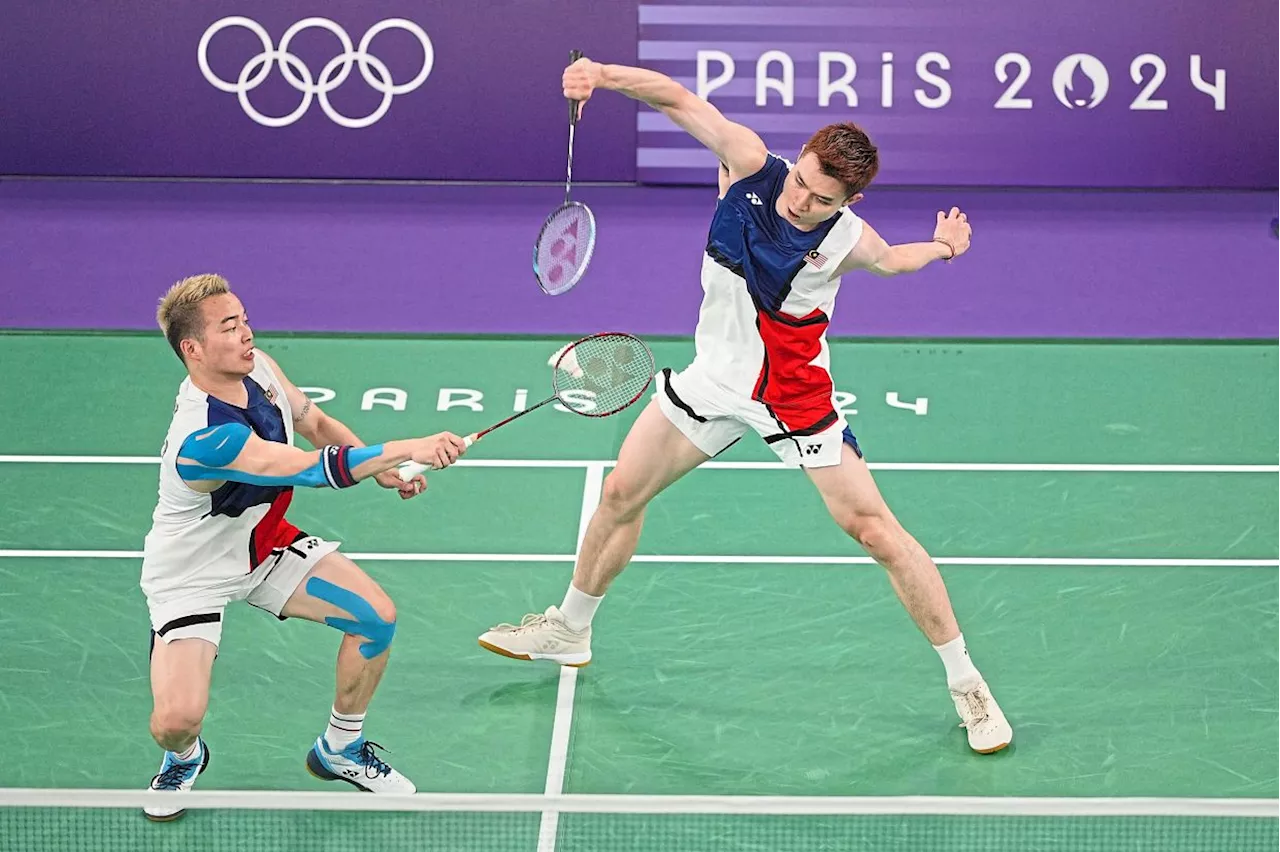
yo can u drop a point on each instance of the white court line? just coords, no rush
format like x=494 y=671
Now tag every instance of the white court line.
x=560 y=729
x=958 y=467
x=725 y=559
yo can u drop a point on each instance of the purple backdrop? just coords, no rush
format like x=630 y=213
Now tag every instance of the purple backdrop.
x=449 y=259
x=1005 y=93
x=118 y=88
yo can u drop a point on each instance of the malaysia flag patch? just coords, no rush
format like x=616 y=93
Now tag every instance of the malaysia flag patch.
x=816 y=260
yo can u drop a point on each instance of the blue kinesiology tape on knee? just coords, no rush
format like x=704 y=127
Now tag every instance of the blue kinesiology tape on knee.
x=365 y=622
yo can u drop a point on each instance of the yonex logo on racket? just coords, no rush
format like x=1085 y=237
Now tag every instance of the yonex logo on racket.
x=564 y=250
x=564 y=247
x=296 y=73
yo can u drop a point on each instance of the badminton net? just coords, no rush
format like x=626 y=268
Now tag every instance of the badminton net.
x=56 y=820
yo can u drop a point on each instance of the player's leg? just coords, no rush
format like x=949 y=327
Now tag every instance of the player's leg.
x=311 y=580
x=654 y=455
x=856 y=504
x=675 y=433
x=183 y=648
x=337 y=592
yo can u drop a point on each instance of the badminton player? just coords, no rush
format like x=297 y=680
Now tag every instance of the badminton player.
x=219 y=534
x=781 y=238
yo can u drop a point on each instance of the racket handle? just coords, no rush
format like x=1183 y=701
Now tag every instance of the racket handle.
x=408 y=470
x=574 y=56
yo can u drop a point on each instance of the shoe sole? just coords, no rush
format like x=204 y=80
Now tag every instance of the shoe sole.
x=570 y=660
x=181 y=812
x=993 y=749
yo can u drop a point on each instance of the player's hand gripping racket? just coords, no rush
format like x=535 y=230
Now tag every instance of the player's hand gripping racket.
x=568 y=236
x=613 y=369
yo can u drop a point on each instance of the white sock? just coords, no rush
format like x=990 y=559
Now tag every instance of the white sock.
x=344 y=729
x=955 y=657
x=188 y=755
x=579 y=608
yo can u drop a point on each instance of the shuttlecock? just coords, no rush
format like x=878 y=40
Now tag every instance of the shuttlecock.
x=567 y=360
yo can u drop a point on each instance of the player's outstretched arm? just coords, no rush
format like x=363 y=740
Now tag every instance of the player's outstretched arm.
x=739 y=147
x=231 y=451
x=872 y=253
x=322 y=429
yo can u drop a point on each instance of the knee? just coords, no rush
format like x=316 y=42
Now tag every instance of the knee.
x=875 y=533
x=622 y=496
x=378 y=627
x=383 y=607
x=176 y=722
x=372 y=615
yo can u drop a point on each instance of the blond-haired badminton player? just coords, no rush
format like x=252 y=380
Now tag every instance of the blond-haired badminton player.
x=781 y=237
x=219 y=535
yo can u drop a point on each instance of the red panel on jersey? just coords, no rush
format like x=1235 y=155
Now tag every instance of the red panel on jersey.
x=272 y=531
x=798 y=392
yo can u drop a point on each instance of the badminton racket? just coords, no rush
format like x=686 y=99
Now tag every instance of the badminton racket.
x=568 y=236
x=596 y=376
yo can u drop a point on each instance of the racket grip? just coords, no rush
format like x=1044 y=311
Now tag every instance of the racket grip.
x=574 y=56
x=408 y=470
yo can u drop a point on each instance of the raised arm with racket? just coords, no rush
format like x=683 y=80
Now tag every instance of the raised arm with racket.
x=739 y=147
x=596 y=376
x=567 y=238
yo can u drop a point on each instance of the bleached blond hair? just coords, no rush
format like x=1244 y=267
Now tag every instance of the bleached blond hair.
x=179 y=313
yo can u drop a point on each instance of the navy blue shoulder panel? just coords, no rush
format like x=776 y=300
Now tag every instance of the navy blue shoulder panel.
x=752 y=241
x=262 y=416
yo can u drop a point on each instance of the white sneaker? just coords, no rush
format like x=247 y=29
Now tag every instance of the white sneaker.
x=989 y=731
x=176 y=776
x=358 y=766
x=541 y=636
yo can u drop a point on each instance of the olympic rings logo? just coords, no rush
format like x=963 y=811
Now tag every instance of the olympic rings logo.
x=298 y=75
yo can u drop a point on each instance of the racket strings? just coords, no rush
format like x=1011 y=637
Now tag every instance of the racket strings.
x=614 y=368
x=564 y=247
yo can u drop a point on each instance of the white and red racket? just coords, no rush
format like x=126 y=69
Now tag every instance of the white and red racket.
x=596 y=376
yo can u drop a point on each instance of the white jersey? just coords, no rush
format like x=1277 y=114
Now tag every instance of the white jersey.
x=768 y=298
x=198 y=540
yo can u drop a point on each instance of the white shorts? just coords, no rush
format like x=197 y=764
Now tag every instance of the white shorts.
x=714 y=419
x=198 y=614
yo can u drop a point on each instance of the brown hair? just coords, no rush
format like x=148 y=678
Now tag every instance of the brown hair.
x=179 y=314
x=845 y=152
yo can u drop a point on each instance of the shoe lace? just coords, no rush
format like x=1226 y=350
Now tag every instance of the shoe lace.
x=373 y=765
x=172 y=778
x=975 y=701
x=533 y=619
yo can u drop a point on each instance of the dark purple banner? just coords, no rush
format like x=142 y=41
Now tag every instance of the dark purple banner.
x=1086 y=93
x=401 y=89
x=1144 y=93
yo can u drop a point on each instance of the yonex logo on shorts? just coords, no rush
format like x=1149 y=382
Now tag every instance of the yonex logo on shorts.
x=812 y=449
